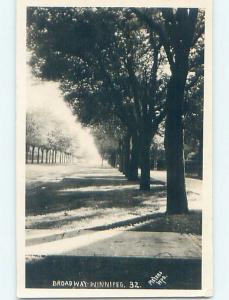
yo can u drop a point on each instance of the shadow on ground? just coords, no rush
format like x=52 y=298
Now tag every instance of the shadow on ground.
x=181 y=273
x=95 y=192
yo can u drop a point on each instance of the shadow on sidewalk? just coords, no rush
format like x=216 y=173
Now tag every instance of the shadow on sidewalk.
x=181 y=273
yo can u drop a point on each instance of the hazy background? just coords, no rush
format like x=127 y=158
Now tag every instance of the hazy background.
x=45 y=96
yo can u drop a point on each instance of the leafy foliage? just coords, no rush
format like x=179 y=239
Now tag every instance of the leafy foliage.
x=107 y=64
x=42 y=130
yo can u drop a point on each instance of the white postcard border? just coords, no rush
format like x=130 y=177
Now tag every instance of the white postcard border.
x=207 y=247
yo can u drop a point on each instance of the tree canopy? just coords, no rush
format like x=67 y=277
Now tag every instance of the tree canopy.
x=135 y=66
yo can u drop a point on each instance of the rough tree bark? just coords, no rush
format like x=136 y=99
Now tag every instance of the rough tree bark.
x=174 y=150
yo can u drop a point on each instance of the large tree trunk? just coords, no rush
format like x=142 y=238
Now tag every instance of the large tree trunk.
x=182 y=40
x=174 y=149
x=134 y=158
x=145 y=161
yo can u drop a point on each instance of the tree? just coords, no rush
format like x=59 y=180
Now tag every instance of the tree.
x=106 y=142
x=194 y=101
x=179 y=30
x=157 y=148
x=104 y=60
x=193 y=135
x=47 y=135
x=35 y=133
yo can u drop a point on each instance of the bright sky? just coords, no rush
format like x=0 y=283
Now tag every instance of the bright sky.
x=42 y=95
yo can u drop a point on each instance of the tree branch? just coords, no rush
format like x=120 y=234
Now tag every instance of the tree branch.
x=122 y=113
x=153 y=81
x=158 y=28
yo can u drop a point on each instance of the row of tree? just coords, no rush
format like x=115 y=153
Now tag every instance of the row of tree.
x=41 y=155
x=129 y=70
x=118 y=151
x=111 y=150
x=47 y=140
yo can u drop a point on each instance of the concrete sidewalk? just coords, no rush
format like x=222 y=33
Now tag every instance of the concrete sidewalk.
x=118 y=243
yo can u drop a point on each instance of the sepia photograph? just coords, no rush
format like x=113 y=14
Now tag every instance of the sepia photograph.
x=114 y=150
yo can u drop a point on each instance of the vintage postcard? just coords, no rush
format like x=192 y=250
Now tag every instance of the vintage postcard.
x=114 y=148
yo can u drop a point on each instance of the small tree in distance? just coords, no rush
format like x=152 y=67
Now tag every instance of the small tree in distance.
x=48 y=136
